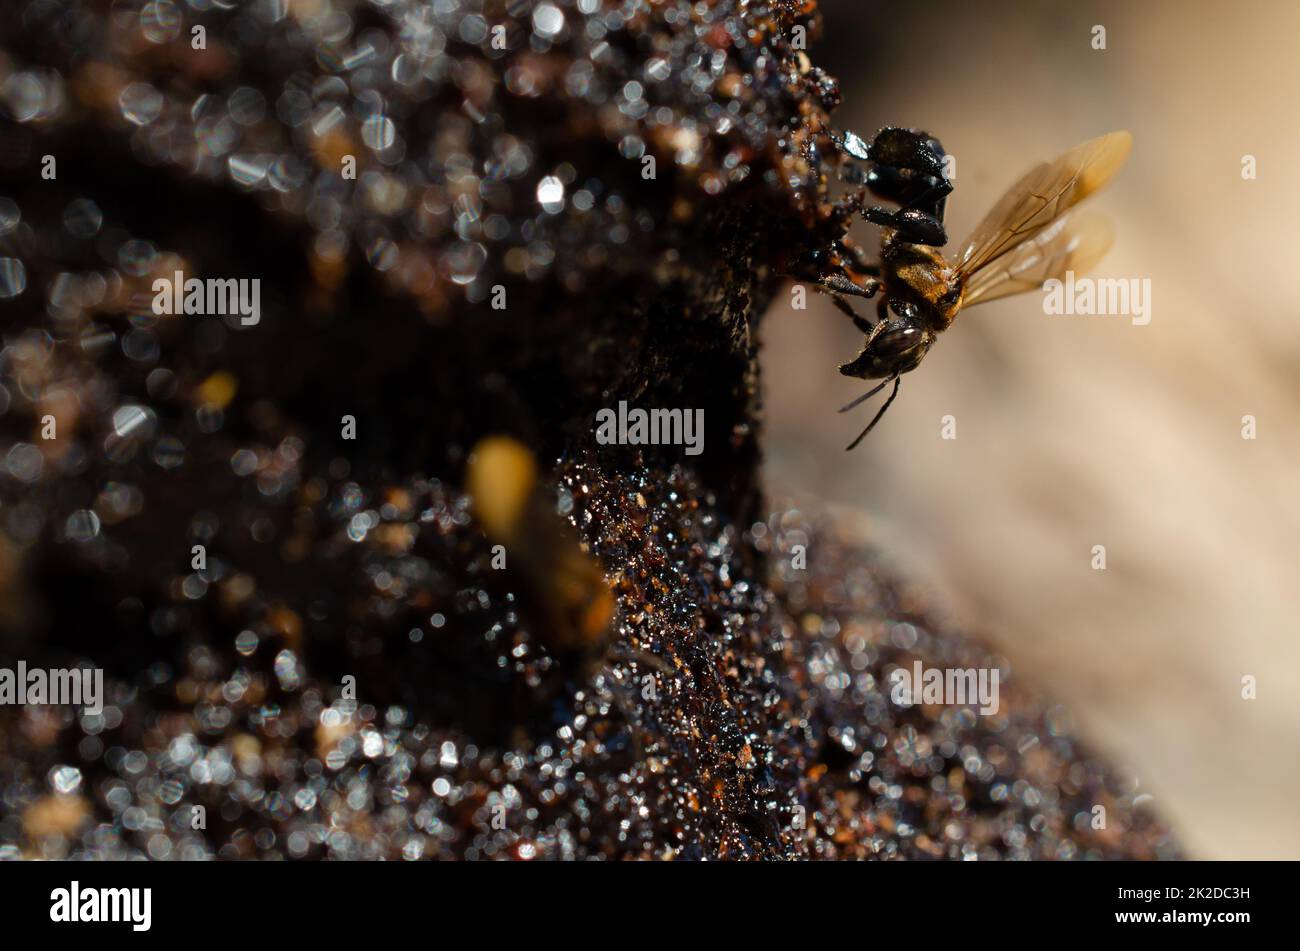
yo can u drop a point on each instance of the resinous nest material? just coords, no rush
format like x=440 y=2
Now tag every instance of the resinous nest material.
x=350 y=676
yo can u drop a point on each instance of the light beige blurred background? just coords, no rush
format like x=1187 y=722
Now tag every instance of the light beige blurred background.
x=1079 y=431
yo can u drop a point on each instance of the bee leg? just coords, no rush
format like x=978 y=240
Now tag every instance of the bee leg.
x=839 y=286
x=882 y=310
x=860 y=322
x=842 y=284
x=909 y=149
x=910 y=172
x=916 y=226
x=923 y=192
x=881 y=412
x=861 y=262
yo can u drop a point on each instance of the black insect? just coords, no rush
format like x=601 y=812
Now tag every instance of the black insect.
x=1027 y=234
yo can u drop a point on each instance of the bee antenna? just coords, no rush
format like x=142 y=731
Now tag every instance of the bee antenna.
x=879 y=413
x=865 y=396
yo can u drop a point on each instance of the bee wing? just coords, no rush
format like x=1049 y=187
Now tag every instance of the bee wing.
x=1073 y=243
x=1043 y=195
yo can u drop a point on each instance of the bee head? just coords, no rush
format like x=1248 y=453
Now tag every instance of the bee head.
x=896 y=349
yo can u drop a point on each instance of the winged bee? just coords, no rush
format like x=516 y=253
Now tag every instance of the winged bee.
x=1026 y=239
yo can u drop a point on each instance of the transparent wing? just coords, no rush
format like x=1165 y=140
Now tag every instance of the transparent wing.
x=1043 y=195
x=1073 y=243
